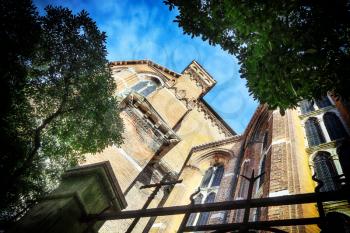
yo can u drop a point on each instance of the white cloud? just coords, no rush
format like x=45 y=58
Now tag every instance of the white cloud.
x=144 y=30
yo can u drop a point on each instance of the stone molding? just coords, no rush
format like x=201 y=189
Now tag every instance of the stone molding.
x=209 y=115
x=316 y=112
x=255 y=117
x=151 y=119
x=257 y=120
x=147 y=62
x=197 y=74
x=216 y=143
x=324 y=146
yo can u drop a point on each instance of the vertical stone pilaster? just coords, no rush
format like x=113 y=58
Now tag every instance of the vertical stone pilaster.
x=323 y=128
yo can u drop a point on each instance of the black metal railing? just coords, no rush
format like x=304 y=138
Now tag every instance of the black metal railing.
x=248 y=204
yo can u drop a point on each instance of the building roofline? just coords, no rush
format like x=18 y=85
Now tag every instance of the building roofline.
x=173 y=73
x=200 y=66
x=206 y=104
x=148 y=62
x=201 y=69
x=254 y=118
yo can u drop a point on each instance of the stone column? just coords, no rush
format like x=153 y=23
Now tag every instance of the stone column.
x=323 y=128
x=83 y=190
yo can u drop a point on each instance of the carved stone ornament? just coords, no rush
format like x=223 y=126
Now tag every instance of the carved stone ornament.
x=171 y=82
x=181 y=94
x=208 y=115
x=191 y=104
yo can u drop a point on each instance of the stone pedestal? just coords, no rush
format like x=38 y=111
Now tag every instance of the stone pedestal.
x=84 y=190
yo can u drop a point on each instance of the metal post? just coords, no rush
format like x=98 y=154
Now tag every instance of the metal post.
x=319 y=203
x=151 y=197
x=188 y=213
x=251 y=180
x=149 y=200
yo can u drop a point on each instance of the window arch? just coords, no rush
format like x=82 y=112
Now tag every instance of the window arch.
x=325 y=170
x=192 y=218
x=145 y=87
x=204 y=216
x=207 y=177
x=323 y=102
x=334 y=126
x=306 y=106
x=313 y=132
x=213 y=176
x=219 y=172
x=211 y=179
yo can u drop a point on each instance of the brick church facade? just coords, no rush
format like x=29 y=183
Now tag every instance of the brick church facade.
x=171 y=131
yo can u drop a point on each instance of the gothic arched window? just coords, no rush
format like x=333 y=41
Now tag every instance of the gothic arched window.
x=207 y=177
x=145 y=87
x=219 y=172
x=192 y=218
x=213 y=176
x=323 y=102
x=334 y=126
x=306 y=106
x=204 y=216
x=325 y=170
x=313 y=132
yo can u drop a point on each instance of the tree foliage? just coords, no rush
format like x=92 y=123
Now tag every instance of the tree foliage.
x=288 y=50
x=60 y=101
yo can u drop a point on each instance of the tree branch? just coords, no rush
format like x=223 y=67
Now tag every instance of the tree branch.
x=37 y=134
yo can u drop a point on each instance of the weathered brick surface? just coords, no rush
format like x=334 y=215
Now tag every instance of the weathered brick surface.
x=178 y=105
x=204 y=142
x=286 y=166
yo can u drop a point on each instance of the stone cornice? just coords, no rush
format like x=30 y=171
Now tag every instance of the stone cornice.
x=200 y=76
x=217 y=143
x=194 y=65
x=106 y=177
x=316 y=112
x=214 y=118
x=324 y=146
x=148 y=62
x=137 y=101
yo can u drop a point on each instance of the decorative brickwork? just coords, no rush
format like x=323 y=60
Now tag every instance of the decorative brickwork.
x=173 y=130
x=160 y=131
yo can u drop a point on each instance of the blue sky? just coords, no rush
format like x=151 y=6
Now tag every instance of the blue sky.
x=144 y=29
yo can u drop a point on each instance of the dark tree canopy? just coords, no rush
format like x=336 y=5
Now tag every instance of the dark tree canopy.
x=288 y=50
x=59 y=98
